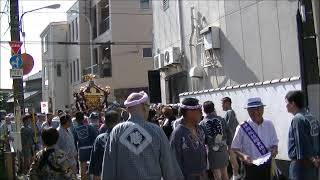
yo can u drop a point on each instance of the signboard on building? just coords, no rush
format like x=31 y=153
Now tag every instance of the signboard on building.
x=44 y=107
x=16 y=73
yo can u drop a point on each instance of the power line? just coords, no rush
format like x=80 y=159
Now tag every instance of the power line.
x=1 y=14
x=6 y=11
x=5 y=6
x=120 y=13
x=85 y=43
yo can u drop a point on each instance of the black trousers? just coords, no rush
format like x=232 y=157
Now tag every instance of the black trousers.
x=262 y=172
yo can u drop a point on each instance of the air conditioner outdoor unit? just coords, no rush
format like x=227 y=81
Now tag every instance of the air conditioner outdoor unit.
x=158 y=61
x=172 y=56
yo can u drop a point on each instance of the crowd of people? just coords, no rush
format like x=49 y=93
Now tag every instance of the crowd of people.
x=188 y=141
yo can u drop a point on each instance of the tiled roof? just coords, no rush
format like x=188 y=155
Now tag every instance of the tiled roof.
x=37 y=75
x=26 y=95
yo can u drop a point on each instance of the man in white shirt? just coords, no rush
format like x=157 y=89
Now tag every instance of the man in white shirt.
x=254 y=138
x=66 y=141
x=6 y=131
x=51 y=121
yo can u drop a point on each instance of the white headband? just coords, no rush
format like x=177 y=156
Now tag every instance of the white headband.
x=182 y=106
x=144 y=98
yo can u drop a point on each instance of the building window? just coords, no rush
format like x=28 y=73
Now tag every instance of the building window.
x=104 y=16
x=74 y=71
x=144 y=4
x=59 y=70
x=78 y=70
x=69 y=32
x=70 y=66
x=45 y=77
x=45 y=43
x=106 y=65
x=94 y=21
x=147 y=52
x=165 y=4
x=42 y=44
x=76 y=28
x=95 y=56
x=45 y=73
x=73 y=34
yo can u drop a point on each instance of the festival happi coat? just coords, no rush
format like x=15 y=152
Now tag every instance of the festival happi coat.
x=137 y=149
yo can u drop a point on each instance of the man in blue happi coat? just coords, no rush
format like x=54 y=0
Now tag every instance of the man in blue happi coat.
x=111 y=119
x=138 y=149
x=188 y=141
x=303 y=144
x=84 y=136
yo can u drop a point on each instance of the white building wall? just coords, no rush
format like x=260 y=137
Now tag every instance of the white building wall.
x=129 y=23
x=46 y=67
x=258 y=39
x=60 y=58
x=80 y=52
x=55 y=55
x=272 y=95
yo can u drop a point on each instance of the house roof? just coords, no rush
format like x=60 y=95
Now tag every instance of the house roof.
x=26 y=96
x=35 y=76
x=6 y=90
x=45 y=30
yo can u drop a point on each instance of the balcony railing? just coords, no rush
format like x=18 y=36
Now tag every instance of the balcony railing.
x=100 y=70
x=88 y=69
x=104 y=25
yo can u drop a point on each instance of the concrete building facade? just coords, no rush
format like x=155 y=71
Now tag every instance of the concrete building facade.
x=78 y=49
x=224 y=43
x=122 y=45
x=55 y=66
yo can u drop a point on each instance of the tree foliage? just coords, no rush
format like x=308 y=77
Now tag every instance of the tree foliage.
x=3 y=100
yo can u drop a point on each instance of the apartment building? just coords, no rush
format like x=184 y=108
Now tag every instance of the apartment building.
x=55 y=66
x=121 y=33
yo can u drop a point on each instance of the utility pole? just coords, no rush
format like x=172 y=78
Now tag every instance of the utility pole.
x=316 y=15
x=15 y=36
x=309 y=67
x=17 y=90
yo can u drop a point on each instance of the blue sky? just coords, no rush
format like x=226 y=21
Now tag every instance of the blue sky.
x=34 y=24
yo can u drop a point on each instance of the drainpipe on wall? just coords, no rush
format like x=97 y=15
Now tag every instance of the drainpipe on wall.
x=190 y=42
x=180 y=19
x=316 y=16
x=309 y=64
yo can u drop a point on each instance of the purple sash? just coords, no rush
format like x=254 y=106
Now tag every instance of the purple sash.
x=254 y=138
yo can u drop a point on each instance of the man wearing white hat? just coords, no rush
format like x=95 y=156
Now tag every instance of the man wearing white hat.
x=256 y=138
x=138 y=149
